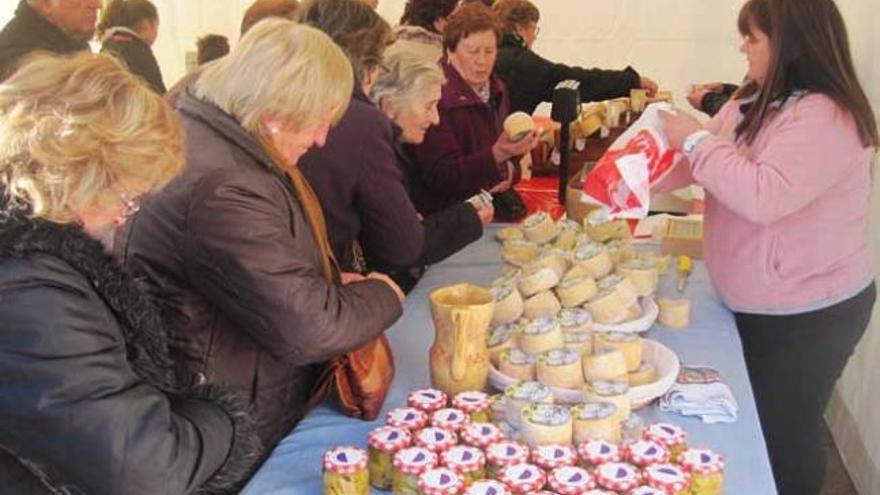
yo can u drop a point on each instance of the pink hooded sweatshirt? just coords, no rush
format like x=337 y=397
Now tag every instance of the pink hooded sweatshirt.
x=786 y=219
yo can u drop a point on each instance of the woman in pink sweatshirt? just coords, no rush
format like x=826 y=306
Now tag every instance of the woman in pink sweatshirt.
x=786 y=166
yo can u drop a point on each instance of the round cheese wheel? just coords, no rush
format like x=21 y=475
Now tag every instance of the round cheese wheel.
x=616 y=392
x=600 y=229
x=517 y=125
x=629 y=344
x=508 y=304
x=545 y=424
x=574 y=320
x=595 y=421
x=674 y=313
x=643 y=275
x=560 y=368
x=537 y=278
x=567 y=239
x=552 y=258
x=540 y=334
x=541 y=305
x=520 y=395
x=606 y=364
x=500 y=338
x=517 y=364
x=539 y=228
x=594 y=258
x=575 y=292
x=520 y=253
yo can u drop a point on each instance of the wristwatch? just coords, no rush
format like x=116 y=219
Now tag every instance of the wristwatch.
x=691 y=142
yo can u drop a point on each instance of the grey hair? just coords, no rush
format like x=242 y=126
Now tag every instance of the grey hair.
x=403 y=78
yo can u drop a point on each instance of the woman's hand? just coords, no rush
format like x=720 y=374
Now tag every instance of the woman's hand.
x=649 y=86
x=486 y=214
x=678 y=125
x=504 y=149
x=385 y=278
x=698 y=91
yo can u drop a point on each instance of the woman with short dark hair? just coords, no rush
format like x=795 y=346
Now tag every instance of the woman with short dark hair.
x=421 y=28
x=786 y=165
x=128 y=28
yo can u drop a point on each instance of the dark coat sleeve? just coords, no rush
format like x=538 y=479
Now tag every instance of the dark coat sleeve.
x=449 y=231
x=391 y=233
x=240 y=254
x=73 y=410
x=445 y=166
x=714 y=100
x=139 y=59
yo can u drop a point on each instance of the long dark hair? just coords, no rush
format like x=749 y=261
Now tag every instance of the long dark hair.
x=126 y=13
x=809 y=51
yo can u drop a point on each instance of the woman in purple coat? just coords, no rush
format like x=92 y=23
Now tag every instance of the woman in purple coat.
x=468 y=151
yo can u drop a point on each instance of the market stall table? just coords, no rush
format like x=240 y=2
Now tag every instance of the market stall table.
x=295 y=465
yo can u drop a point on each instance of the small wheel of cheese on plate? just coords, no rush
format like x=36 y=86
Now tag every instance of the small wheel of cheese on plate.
x=605 y=364
x=501 y=337
x=522 y=393
x=539 y=228
x=537 y=278
x=520 y=253
x=594 y=258
x=508 y=304
x=560 y=368
x=616 y=392
x=643 y=275
x=539 y=335
x=541 y=305
x=629 y=344
x=545 y=424
x=596 y=421
x=517 y=364
x=576 y=291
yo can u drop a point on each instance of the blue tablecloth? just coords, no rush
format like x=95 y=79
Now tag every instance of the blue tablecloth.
x=295 y=465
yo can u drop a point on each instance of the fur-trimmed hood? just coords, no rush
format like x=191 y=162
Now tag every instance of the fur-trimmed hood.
x=144 y=331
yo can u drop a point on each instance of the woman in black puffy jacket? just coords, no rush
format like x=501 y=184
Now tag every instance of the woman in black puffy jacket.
x=89 y=402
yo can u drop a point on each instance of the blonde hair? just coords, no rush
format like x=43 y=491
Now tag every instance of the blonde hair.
x=74 y=131
x=404 y=78
x=280 y=69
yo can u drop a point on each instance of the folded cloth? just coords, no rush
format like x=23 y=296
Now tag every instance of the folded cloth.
x=699 y=391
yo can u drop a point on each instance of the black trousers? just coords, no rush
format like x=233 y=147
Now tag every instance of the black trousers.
x=794 y=362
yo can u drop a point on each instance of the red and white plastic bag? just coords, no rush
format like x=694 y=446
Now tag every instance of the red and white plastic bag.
x=638 y=159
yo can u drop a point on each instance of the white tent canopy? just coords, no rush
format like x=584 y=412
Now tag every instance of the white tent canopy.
x=676 y=42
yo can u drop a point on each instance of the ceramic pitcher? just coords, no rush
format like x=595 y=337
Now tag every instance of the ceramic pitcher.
x=459 y=356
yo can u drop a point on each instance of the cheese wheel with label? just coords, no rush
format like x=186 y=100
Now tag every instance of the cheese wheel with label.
x=600 y=229
x=541 y=305
x=539 y=228
x=615 y=297
x=545 y=424
x=508 y=304
x=520 y=395
x=605 y=364
x=629 y=344
x=595 y=421
x=674 y=313
x=616 y=392
x=576 y=291
x=536 y=278
x=517 y=364
x=594 y=258
x=642 y=273
x=539 y=335
x=560 y=368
